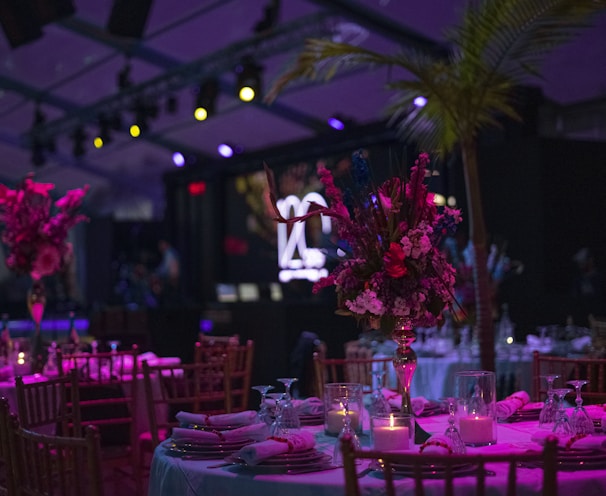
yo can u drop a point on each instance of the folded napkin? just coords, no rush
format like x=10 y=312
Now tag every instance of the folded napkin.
x=438 y=444
x=256 y=432
x=578 y=441
x=246 y=417
x=595 y=412
x=418 y=403
x=507 y=407
x=255 y=453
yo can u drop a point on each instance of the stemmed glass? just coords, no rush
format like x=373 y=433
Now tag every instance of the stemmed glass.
x=562 y=425
x=264 y=413
x=378 y=402
x=337 y=457
x=548 y=413
x=277 y=397
x=458 y=446
x=287 y=418
x=579 y=420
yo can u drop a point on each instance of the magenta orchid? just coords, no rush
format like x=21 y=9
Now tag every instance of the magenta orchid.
x=35 y=238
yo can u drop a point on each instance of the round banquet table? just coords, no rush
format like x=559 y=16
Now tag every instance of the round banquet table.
x=171 y=475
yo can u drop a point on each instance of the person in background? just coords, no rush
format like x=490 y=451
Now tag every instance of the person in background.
x=167 y=274
x=588 y=288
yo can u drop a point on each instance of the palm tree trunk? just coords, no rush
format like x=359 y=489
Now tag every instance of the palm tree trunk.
x=477 y=234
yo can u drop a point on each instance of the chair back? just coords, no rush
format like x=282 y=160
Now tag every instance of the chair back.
x=56 y=465
x=8 y=422
x=240 y=361
x=107 y=392
x=51 y=406
x=356 y=370
x=416 y=467
x=591 y=369
x=197 y=388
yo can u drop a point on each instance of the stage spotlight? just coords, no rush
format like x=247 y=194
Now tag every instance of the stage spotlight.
x=79 y=137
x=39 y=117
x=135 y=131
x=104 y=135
x=141 y=110
x=271 y=13
x=225 y=150
x=206 y=97
x=420 y=101
x=38 y=158
x=248 y=80
x=123 y=78
x=178 y=159
x=336 y=123
x=172 y=104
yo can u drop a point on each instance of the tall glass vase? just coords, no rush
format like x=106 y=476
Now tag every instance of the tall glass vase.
x=405 y=364
x=36 y=302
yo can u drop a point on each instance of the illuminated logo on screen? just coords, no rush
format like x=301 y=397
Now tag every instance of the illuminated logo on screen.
x=295 y=259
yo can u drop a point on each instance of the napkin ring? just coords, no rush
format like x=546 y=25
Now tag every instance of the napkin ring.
x=283 y=440
x=436 y=443
x=573 y=440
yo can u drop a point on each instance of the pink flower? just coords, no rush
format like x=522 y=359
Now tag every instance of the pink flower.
x=47 y=261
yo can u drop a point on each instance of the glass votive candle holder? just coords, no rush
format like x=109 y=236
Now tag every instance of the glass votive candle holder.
x=476 y=417
x=393 y=432
x=339 y=397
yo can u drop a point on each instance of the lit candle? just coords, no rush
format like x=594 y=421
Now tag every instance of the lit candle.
x=391 y=437
x=477 y=430
x=335 y=420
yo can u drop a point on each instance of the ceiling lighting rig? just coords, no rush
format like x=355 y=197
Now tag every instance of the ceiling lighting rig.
x=142 y=99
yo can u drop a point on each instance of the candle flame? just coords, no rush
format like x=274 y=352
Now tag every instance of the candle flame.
x=391 y=422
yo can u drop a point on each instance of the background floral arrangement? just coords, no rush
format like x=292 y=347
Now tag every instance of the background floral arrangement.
x=391 y=235
x=34 y=235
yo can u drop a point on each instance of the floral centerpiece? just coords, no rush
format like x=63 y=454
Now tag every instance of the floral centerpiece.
x=35 y=235
x=394 y=271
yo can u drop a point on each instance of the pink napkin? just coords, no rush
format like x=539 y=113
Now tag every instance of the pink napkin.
x=507 y=407
x=256 y=432
x=255 y=453
x=438 y=444
x=246 y=417
x=418 y=403
x=572 y=442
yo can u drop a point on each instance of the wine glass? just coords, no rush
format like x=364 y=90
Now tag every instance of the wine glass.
x=287 y=418
x=348 y=430
x=277 y=397
x=458 y=446
x=550 y=407
x=579 y=420
x=562 y=425
x=264 y=413
x=378 y=402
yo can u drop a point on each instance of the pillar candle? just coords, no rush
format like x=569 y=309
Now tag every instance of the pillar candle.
x=476 y=430
x=391 y=438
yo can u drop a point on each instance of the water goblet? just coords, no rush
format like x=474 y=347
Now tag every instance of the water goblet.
x=276 y=397
x=452 y=433
x=579 y=419
x=287 y=419
x=378 y=402
x=264 y=413
x=348 y=430
x=550 y=407
x=562 y=425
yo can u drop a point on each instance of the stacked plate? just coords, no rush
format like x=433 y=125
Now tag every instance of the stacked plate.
x=524 y=414
x=287 y=463
x=205 y=451
x=317 y=419
x=433 y=471
x=572 y=460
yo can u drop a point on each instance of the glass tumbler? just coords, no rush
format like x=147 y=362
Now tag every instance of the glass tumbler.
x=334 y=411
x=475 y=391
